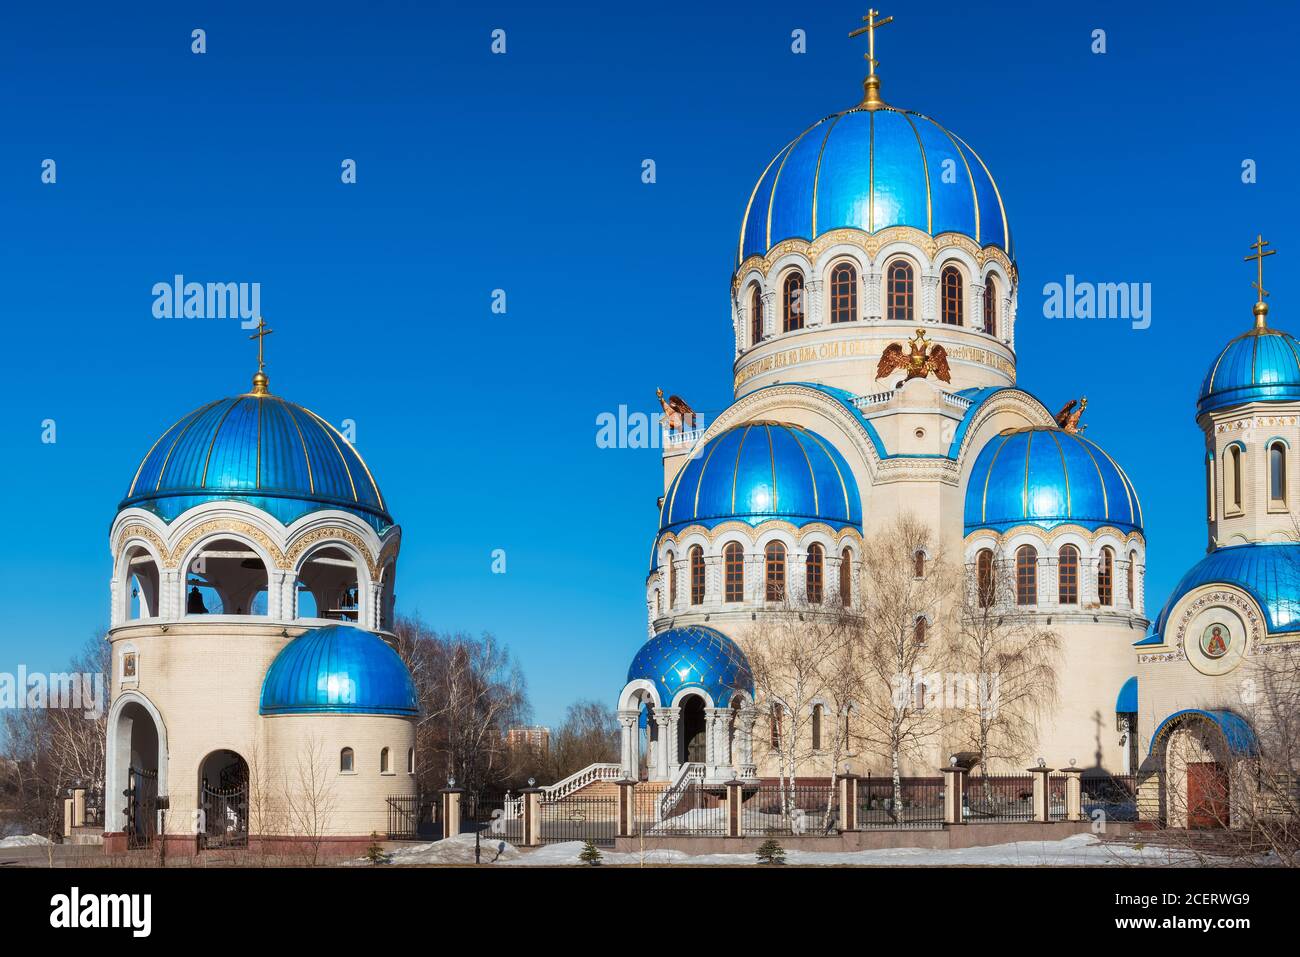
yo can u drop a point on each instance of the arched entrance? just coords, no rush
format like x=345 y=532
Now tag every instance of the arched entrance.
x=223 y=799
x=693 y=736
x=136 y=770
x=1197 y=752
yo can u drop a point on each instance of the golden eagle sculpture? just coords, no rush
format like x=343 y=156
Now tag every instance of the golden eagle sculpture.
x=1068 y=417
x=923 y=359
x=676 y=412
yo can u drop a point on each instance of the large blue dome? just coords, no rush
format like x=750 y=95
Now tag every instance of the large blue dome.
x=338 y=669
x=1045 y=476
x=872 y=169
x=695 y=656
x=260 y=449
x=1262 y=365
x=759 y=472
x=1269 y=573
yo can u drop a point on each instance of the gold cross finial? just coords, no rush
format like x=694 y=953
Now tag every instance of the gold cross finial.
x=260 y=380
x=1261 y=307
x=871 y=85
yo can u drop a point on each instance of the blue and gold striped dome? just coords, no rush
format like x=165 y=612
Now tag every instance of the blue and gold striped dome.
x=338 y=669
x=760 y=472
x=1045 y=476
x=695 y=656
x=869 y=170
x=1262 y=365
x=259 y=449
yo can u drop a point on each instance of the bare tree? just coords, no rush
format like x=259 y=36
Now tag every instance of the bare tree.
x=589 y=735
x=1006 y=664
x=309 y=799
x=904 y=630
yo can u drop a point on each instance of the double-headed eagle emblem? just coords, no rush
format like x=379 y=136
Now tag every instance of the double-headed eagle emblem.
x=923 y=359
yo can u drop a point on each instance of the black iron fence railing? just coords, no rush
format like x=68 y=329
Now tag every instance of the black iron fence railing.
x=918 y=803
x=999 y=798
x=784 y=809
x=412 y=818
x=1114 y=795
x=579 y=817
x=497 y=814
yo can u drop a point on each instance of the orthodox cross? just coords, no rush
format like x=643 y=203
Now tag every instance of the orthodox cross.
x=260 y=335
x=870 y=30
x=1258 y=245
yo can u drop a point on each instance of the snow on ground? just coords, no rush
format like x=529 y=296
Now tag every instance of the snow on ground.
x=1077 y=850
x=25 y=840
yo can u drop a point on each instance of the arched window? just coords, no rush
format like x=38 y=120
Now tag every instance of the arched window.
x=775 y=577
x=410 y=760
x=918 y=564
x=990 y=306
x=347 y=761
x=950 y=283
x=733 y=560
x=920 y=689
x=844 y=293
x=1067 y=577
x=918 y=631
x=984 y=586
x=1232 y=482
x=813 y=574
x=817 y=727
x=846 y=578
x=774 y=720
x=1026 y=575
x=755 y=315
x=1131 y=582
x=899 y=291
x=792 y=304
x=1277 y=473
x=672 y=580
x=1106 y=577
x=1209 y=487
x=697 y=575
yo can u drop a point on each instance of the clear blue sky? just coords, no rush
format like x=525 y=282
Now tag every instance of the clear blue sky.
x=523 y=172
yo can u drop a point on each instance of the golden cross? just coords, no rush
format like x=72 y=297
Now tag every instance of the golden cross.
x=870 y=30
x=260 y=335
x=1258 y=245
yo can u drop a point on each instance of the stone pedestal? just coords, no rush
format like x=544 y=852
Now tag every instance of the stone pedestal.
x=451 y=811
x=1073 y=793
x=626 y=807
x=1042 y=794
x=848 y=785
x=954 y=792
x=735 y=799
x=532 y=798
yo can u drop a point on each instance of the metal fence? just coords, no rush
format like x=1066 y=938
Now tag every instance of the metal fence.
x=1115 y=795
x=579 y=817
x=412 y=818
x=999 y=798
x=782 y=809
x=497 y=814
x=918 y=803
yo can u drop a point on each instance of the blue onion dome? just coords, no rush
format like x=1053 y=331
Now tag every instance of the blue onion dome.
x=338 y=669
x=1268 y=572
x=694 y=656
x=869 y=169
x=260 y=449
x=1045 y=476
x=760 y=472
x=1262 y=365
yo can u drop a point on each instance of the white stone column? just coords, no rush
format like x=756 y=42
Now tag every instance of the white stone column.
x=771 y=322
x=814 y=309
x=171 y=587
x=631 y=757
x=977 y=306
x=666 y=718
x=872 y=295
x=929 y=297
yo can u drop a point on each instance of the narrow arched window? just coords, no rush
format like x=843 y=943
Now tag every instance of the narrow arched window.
x=1131 y=583
x=950 y=284
x=1277 y=473
x=774 y=719
x=385 y=761
x=918 y=564
x=984 y=586
x=1067 y=576
x=697 y=575
x=1209 y=487
x=900 y=294
x=921 y=691
x=846 y=578
x=1026 y=575
x=918 y=631
x=410 y=760
x=733 y=561
x=817 y=727
x=346 y=761
x=844 y=293
x=775 y=555
x=1106 y=577
x=755 y=315
x=792 y=304
x=1233 y=481
x=990 y=306
x=672 y=580
x=813 y=574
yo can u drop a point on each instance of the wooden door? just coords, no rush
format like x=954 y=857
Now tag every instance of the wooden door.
x=1207 y=795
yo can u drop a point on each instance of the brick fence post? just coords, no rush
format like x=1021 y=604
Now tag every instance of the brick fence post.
x=451 y=811
x=1073 y=793
x=735 y=799
x=626 y=804
x=848 y=801
x=954 y=792
x=1042 y=793
x=532 y=798
x=78 y=807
